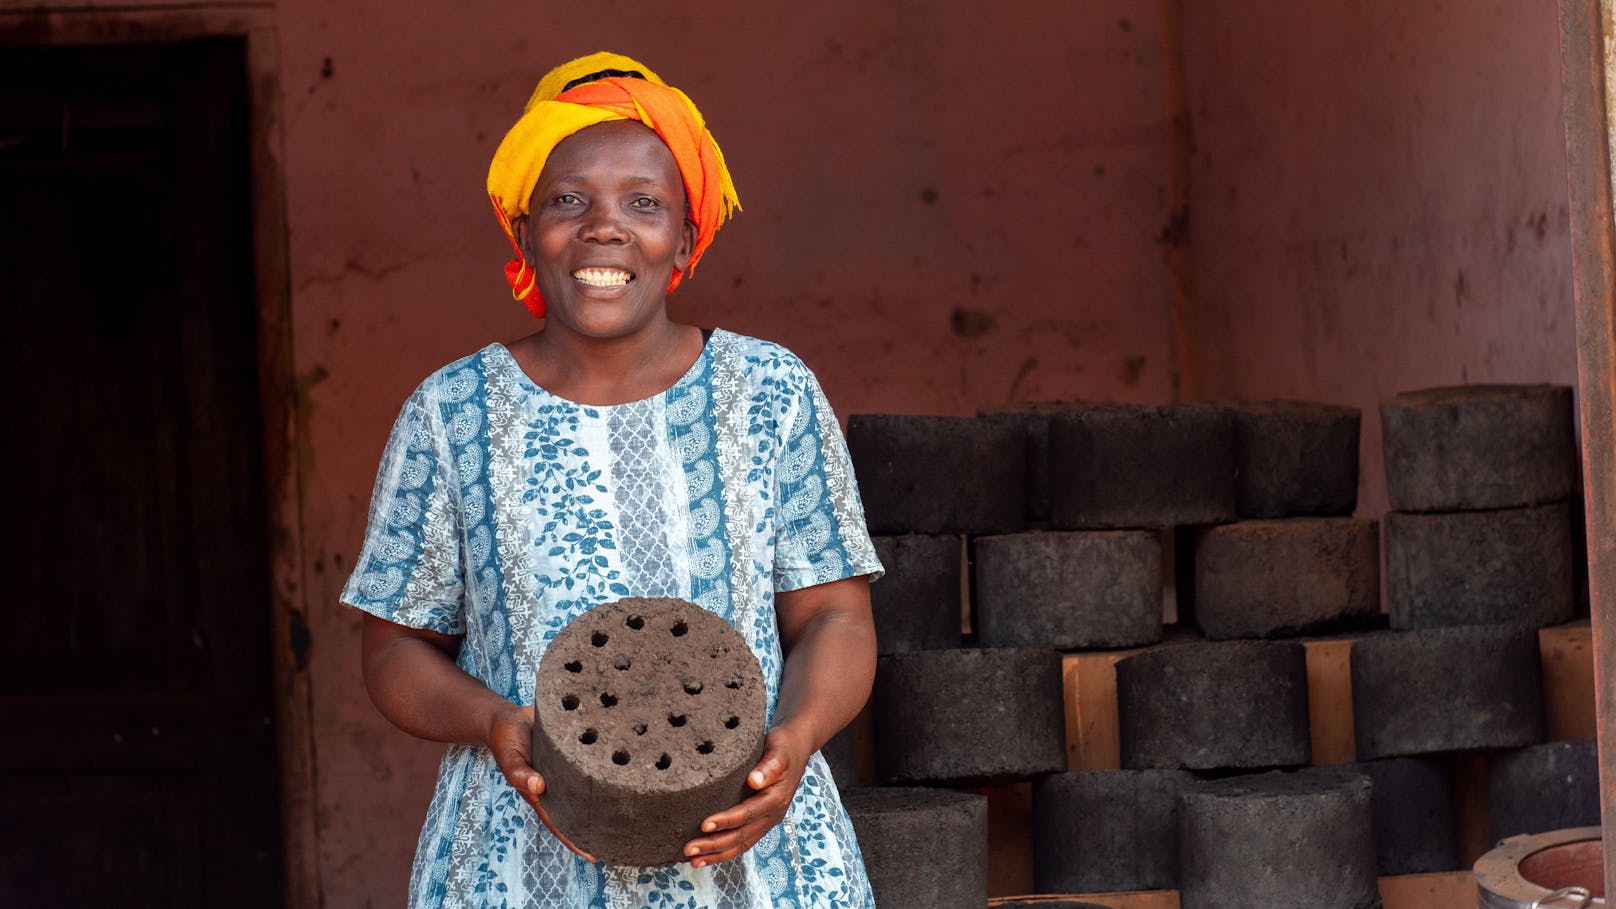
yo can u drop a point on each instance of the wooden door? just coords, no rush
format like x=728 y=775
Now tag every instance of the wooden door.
x=138 y=762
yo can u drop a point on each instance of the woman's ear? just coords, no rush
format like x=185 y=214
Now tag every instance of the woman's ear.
x=687 y=246
x=519 y=232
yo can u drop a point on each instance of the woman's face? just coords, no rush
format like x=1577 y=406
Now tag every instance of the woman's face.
x=607 y=229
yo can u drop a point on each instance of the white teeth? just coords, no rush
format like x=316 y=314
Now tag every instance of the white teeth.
x=602 y=277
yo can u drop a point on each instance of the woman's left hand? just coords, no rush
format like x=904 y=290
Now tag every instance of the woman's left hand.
x=734 y=830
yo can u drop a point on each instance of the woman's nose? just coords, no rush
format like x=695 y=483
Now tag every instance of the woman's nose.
x=603 y=224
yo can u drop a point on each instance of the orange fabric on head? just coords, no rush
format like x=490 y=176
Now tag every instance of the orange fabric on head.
x=520 y=159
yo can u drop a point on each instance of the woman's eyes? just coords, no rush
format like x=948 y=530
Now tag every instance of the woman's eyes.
x=644 y=203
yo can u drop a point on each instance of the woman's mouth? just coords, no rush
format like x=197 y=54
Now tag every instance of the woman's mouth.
x=602 y=277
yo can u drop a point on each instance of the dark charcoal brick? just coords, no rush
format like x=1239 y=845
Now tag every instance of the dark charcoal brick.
x=1205 y=706
x=1415 y=832
x=1294 y=458
x=1071 y=591
x=1033 y=418
x=1510 y=567
x=939 y=474
x=1132 y=467
x=1543 y=788
x=969 y=715
x=917 y=603
x=838 y=755
x=1478 y=446
x=1106 y=830
x=923 y=848
x=1446 y=689
x=649 y=715
x=1278 y=839
x=1259 y=579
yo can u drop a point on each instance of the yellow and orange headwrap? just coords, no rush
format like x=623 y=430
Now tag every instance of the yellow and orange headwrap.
x=555 y=112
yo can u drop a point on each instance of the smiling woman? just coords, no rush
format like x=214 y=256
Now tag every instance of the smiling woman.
x=615 y=453
x=608 y=232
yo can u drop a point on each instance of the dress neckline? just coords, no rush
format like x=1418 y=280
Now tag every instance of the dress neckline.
x=507 y=361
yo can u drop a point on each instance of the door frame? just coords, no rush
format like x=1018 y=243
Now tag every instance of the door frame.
x=1588 y=80
x=278 y=401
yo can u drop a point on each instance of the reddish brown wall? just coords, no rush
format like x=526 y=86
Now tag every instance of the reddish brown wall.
x=1378 y=197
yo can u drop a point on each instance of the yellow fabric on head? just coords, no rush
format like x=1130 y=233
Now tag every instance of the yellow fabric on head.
x=555 y=81
x=555 y=112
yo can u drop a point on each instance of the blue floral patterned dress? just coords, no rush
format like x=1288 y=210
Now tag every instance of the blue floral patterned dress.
x=502 y=512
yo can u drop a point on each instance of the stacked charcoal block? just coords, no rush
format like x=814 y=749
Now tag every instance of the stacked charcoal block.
x=1480 y=480
x=1479 y=557
x=946 y=716
x=1060 y=525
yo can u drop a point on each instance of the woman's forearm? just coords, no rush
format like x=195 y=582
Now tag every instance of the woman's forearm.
x=830 y=658
x=413 y=680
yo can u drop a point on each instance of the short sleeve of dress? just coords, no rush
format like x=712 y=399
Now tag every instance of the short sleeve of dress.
x=410 y=568
x=821 y=534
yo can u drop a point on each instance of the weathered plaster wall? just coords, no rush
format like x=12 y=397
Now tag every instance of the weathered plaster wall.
x=1378 y=200
x=946 y=207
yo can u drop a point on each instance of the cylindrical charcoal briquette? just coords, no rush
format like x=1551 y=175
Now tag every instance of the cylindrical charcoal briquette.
x=1033 y=418
x=1506 y=567
x=1415 y=831
x=649 y=714
x=1478 y=446
x=937 y=475
x=969 y=715
x=1071 y=590
x=1295 y=458
x=923 y=848
x=1106 y=830
x=1278 y=839
x=1446 y=689
x=1258 y=579
x=1542 y=788
x=916 y=605
x=1204 y=706
x=1120 y=466
x=838 y=754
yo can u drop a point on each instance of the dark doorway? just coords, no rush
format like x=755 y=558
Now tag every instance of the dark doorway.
x=135 y=693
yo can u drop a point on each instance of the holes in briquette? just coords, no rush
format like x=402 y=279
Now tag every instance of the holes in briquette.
x=573 y=666
x=732 y=722
x=704 y=748
x=620 y=758
x=680 y=630
x=692 y=687
x=569 y=702
x=588 y=738
x=608 y=700
x=635 y=622
x=664 y=762
x=676 y=720
x=733 y=684
x=599 y=638
x=622 y=664
x=639 y=729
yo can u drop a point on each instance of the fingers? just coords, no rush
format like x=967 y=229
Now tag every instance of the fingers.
x=727 y=843
x=770 y=768
x=509 y=741
x=734 y=830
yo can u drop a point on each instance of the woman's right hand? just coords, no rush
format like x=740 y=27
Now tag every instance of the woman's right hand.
x=510 y=740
